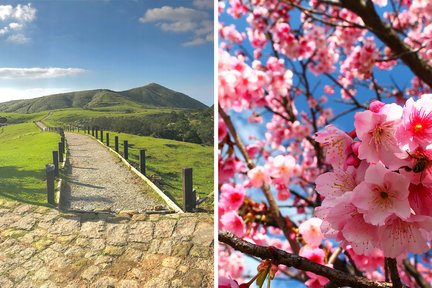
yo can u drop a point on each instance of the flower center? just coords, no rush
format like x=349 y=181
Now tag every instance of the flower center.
x=384 y=195
x=418 y=128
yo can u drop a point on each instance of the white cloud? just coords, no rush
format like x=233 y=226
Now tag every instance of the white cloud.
x=18 y=38
x=38 y=72
x=183 y=20
x=5 y=11
x=171 y=14
x=203 y=4
x=16 y=18
x=15 y=26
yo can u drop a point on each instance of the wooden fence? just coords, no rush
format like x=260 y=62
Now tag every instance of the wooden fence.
x=52 y=169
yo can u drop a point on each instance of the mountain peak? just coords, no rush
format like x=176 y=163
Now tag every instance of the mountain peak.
x=151 y=95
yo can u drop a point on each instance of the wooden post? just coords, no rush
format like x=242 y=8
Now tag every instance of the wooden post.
x=116 y=144
x=93 y=132
x=125 y=149
x=63 y=141
x=142 y=162
x=107 y=139
x=97 y=133
x=189 y=197
x=56 y=162
x=61 y=151
x=101 y=136
x=50 y=175
x=88 y=130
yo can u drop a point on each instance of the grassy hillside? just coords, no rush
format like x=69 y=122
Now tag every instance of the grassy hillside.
x=165 y=160
x=24 y=151
x=152 y=95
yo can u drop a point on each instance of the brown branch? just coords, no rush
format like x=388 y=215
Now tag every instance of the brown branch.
x=394 y=274
x=389 y=36
x=274 y=209
x=421 y=282
x=337 y=277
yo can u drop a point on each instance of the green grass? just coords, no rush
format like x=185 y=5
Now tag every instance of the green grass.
x=14 y=118
x=165 y=159
x=24 y=151
x=76 y=115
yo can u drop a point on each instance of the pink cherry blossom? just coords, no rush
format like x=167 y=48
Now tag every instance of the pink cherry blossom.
x=231 y=197
x=311 y=232
x=258 y=176
x=336 y=143
x=401 y=236
x=232 y=222
x=282 y=168
x=333 y=184
x=382 y=194
x=377 y=130
x=416 y=128
x=420 y=199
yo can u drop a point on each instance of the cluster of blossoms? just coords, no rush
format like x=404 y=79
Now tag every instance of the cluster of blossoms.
x=379 y=194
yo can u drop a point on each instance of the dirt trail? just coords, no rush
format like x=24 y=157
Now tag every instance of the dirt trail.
x=97 y=180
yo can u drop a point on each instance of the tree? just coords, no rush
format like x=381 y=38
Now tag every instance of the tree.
x=332 y=186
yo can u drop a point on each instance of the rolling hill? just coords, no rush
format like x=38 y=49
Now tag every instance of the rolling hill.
x=150 y=96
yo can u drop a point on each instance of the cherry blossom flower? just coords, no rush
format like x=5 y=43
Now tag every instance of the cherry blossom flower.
x=232 y=222
x=377 y=130
x=416 y=128
x=401 y=236
x=231 y=197
x=382 y=194
x=311 y=232
x=258 y=176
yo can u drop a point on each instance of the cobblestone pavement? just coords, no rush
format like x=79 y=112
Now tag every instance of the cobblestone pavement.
x=41 y=247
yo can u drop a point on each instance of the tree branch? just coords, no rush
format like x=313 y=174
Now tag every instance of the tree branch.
x=337 y=277
x=415 y=274
x=394 y=274
x=389 y=36
x=274 y=209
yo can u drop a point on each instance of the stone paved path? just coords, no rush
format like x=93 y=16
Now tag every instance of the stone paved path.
x=97 y=180
x=40 y=247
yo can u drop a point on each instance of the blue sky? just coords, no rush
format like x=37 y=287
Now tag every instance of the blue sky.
x=57 y=46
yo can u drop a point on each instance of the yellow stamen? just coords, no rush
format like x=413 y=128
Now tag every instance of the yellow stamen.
x=418 y=127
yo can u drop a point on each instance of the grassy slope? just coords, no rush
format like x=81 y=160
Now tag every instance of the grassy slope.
x=24 y=151
x=167 y=158
x=14 y=118
x=74 y=115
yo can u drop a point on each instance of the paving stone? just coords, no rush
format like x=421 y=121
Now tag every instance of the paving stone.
x=5 y=282
x=93 y=229
x=25 y=223
x=171 y=262
x=204 y=234
x=185 y=227
x=116 y=234
x=42 y=274
x=41 y=248
x=104 y=282
x=164 y=228
x=128 y=284
x=90 y=273
x=141 y=232
x=65 y=226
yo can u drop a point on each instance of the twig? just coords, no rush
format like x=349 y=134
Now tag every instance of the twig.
x=394 y=274
x=274 y=209
x=337 y=277
x=415 y=274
